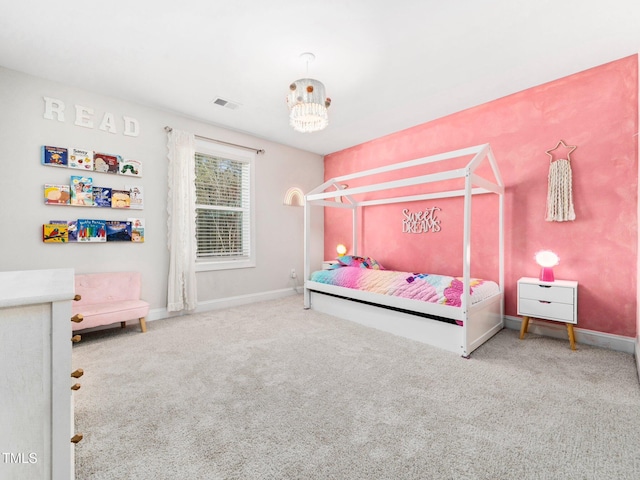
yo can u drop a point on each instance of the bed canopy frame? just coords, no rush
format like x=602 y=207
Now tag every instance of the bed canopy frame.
x=401 y=316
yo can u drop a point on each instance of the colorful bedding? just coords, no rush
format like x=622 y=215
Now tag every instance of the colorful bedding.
x=426 y=287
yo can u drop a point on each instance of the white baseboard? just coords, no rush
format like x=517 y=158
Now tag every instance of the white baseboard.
x=160 y=313
x=588 y=337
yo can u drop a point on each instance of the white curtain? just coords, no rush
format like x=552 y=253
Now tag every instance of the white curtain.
x=181 y=223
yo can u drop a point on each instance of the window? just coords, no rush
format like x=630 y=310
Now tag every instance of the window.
x=224 y=207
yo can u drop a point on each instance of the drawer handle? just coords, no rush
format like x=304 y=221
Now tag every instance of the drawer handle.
x=544 y=286
x=543 y=301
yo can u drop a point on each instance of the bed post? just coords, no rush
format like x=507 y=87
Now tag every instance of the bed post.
x=466 y=260
x=307 y=246
x=501 y=251
x=355 y=238
x=500 y=183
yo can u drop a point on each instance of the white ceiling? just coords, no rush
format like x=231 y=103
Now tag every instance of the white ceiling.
x=387 y=65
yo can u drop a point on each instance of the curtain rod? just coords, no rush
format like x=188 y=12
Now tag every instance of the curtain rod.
x=257 y=150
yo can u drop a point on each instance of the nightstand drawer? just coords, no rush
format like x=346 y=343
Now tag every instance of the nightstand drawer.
x=548 y=293
x=562 y=312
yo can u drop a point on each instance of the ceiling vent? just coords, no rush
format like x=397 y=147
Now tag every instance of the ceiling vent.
x=225 y=103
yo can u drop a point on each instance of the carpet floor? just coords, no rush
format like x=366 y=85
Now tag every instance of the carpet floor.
x=273 y=391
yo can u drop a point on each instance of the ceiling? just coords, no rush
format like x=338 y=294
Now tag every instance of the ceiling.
x=386 y=65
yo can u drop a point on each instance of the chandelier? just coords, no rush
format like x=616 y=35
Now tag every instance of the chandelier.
x=308 y=102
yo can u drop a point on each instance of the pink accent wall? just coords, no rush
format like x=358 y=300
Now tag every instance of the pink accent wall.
x=597 y=110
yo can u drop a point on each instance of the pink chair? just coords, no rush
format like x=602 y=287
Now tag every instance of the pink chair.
x=107 y=298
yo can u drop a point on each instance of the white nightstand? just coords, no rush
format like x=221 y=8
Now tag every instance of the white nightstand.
x=327 y=264
x=556 y=301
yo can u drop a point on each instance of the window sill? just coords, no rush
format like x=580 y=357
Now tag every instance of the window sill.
x=224 y=265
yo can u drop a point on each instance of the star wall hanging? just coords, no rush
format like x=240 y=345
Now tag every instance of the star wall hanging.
x=560 y=195
x=564 y=146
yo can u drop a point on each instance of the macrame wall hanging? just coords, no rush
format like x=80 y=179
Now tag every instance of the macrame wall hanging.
x=559 y=196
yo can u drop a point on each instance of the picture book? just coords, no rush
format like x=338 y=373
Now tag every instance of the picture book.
x=55 y=233
x=120 y=198
x=118 y=231
x=136 y=196
x=131 y=167
x=92 y=230
x=72 y=229
x=81 y=158
x=81 y=191
x=55 y=156
x=137 y=229
x=105 y=163
x=102 y=196
x=56 y=194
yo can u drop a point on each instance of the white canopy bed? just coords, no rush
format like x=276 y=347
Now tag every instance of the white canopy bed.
x=459 y=328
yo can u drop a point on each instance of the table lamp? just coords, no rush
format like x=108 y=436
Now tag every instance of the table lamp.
x=547 y=260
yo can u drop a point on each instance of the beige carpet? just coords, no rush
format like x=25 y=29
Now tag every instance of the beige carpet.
x=271 y=391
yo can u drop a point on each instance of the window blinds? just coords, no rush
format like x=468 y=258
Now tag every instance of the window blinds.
x=223 y=199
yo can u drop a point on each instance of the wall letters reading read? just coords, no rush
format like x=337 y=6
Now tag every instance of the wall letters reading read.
x=420 y=222
x=84 y=118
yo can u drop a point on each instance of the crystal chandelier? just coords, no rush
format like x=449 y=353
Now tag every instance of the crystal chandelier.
x=308 y=103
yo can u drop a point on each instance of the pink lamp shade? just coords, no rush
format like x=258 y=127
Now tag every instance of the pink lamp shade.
x=547 y=260
x=546 y=274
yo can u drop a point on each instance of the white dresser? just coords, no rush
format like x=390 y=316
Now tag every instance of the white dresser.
x=36 y=418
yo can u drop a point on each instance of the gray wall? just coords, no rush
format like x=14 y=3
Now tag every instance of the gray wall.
x=23 y=130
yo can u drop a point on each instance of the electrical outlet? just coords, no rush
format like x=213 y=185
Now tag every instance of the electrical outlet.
x=293 y=273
